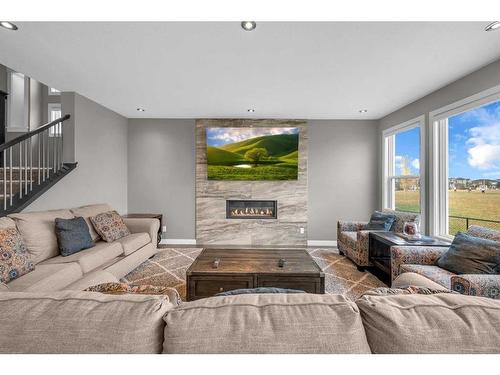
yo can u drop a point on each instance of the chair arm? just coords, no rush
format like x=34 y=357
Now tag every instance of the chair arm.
x=425 y=255
x=350 y=226
x=363 y=237
x=477 y=285
x=144 y=225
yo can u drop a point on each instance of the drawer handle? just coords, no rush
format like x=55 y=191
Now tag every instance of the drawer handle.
x=221 y=289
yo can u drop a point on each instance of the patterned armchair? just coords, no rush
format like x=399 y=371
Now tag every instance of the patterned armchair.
x=423 y=261
x=352 y=236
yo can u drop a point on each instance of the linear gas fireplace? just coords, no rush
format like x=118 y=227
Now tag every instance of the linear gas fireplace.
x=251 y=209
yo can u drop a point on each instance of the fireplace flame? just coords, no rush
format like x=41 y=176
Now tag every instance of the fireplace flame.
x=249 y=212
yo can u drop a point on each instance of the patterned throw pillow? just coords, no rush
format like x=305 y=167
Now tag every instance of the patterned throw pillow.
x=14 y=257
x=110 y=226
x=124 y=288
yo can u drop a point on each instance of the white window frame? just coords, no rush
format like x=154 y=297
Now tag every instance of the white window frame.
x=438 y=176
x=54 y=131
x=388 y=165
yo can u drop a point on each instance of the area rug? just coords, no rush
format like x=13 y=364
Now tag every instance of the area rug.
x=168 y=268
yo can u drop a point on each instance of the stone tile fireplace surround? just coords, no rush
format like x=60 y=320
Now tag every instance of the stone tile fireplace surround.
x=212 y=225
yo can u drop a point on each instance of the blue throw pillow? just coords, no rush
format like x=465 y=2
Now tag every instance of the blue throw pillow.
x=259 y=291
x=73 y=235
x=381 y=221
x=471 y=255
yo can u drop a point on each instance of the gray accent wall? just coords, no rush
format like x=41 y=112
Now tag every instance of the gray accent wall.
x=161 y=172
x=342 y=174
x=100 y=148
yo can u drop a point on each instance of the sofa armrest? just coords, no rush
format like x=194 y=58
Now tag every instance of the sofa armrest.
x=144 y=225
x=425 y=255
x=477 y=285
x=4 y=287
x=351 y=226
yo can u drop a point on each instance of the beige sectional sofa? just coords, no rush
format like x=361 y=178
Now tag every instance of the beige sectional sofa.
x=105 y=262
x=87 y=322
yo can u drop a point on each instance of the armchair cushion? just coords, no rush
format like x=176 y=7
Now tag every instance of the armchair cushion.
x=471 y=255
x=435 y=273
x=481 y=232
x=477 y=285
x=425 y=255
x=401 y=218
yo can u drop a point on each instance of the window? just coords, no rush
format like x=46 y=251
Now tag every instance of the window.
x=54 y=112
x=17 y=102
x=402 y=167
x=53 y=91
x=467 y=144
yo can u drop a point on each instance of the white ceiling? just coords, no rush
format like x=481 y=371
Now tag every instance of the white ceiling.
x=309 y=70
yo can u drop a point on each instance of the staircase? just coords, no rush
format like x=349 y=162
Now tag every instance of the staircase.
x=30 y=165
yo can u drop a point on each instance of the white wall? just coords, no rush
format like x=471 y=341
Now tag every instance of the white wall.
x=101 y=152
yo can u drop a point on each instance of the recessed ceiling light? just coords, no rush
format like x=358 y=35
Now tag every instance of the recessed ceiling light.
x=251 y=110
x=141 y=109
x=248 y=25
x=493 y=26
x=8 y=25
x=363 y=110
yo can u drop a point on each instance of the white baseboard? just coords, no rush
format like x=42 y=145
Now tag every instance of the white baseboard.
x=321 y=243
x=178 y=241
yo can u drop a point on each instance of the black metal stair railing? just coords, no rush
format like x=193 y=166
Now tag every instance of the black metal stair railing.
x=30 y=164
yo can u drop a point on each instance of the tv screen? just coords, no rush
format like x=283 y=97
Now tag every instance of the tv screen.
x=252 y=153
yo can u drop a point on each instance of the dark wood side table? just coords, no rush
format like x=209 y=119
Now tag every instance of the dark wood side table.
x=380 y=244
x=148 y=216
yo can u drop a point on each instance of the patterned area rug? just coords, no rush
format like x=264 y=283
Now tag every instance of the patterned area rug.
x=168 y=268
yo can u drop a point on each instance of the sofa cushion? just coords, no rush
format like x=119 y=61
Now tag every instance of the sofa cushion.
x=482 y=232
x=7 y=222
x=81 y=322
x=91 y=210
x=471 y=255
x=95 y=277
x=439 y=323
x=92 y=258
x=47 y=277
x=38 y=232
x=125 y=264
x=435 y=273
x=266 y=323
x=73 y=235
x=14 y=258
x=110 y=226
x=133 y=242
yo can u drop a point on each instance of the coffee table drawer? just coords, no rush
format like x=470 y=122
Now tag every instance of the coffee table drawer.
x=207 y=286
x=307 y=284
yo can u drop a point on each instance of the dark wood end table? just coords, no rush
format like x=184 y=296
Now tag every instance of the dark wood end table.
x=148 y=216
x=252 y=268
x=380 y=244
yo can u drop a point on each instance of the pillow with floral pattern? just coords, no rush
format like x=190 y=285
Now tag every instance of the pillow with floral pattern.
x=14 y=257
x=110 y=226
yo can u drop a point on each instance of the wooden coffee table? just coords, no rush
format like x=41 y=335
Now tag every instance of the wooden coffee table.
x=252 y=268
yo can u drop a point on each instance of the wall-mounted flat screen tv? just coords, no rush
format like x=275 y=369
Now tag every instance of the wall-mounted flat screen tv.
x=255 y=154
